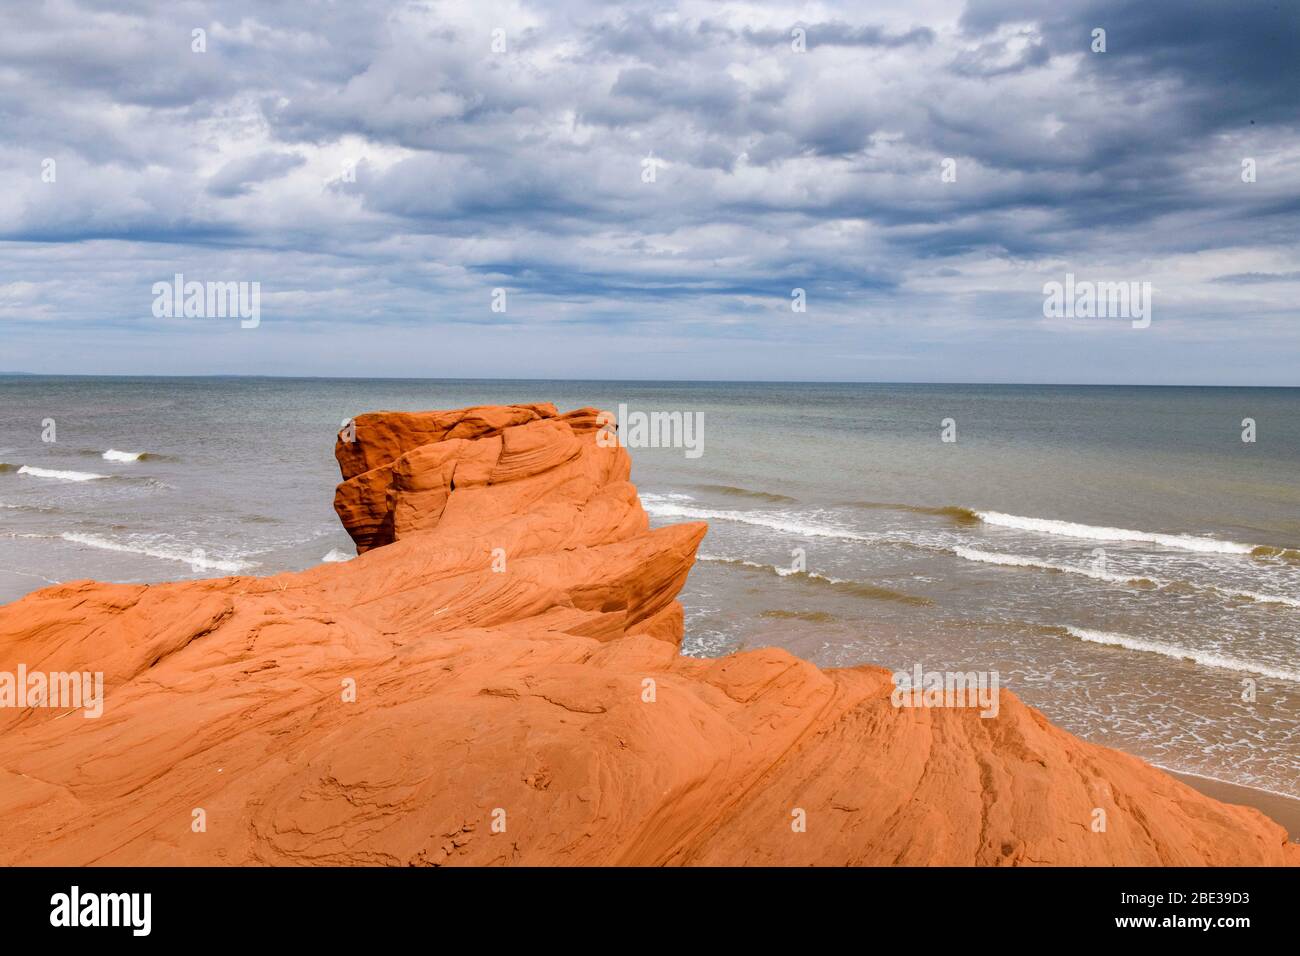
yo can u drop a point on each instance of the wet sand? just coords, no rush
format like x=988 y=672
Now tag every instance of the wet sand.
x=1285 y=810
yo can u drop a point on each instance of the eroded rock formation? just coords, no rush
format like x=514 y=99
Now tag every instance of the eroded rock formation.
x=511 y=630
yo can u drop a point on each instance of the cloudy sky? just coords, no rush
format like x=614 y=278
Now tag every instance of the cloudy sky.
x=381 y=168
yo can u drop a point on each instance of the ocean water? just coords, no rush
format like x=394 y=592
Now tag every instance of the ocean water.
x=1120 y=556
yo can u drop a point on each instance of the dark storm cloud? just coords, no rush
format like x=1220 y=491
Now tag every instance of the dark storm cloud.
x=1231 y=62
x=660 y=163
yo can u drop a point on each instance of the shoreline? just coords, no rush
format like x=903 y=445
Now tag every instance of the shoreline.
x=443 y=700
x=1279 y=808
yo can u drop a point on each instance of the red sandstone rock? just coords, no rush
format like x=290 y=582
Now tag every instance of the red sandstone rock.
x=519 y=696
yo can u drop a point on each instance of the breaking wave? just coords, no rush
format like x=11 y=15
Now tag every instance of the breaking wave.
x=955 y=512
x=1070 y=529
x=114 y=455
x=774 y=522
x=1178 y=652
x=59 y=474
x=196 y=560
x=1140 y=580
x=855 y=588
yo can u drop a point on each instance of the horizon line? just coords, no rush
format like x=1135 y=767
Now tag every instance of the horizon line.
x=654 y=381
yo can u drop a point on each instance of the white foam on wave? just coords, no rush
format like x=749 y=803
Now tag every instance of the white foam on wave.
x=861 y=588
x=336 y=555
x=114 y=455
x=1262 y=598
x=783 y=572
x=164 y=554
x=1019 y=561
x=722 y=559
x=774 y=522
x=60 y=475
x=1070 y=529
x=1205 y=658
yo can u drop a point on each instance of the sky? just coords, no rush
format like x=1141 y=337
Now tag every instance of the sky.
x=592 y=190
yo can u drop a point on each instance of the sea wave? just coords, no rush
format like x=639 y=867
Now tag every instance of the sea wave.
x=1290 y=555
x=336 y=555
x=856 y=588
x=1020 y=561
x=33 y=509
x=231 y=566
x=126 y=457
x=955 y=512
x=1178 y=652
x=59 y=474
x=1070 y=529
x=114 y=455
x=667 y=506
x=775 y=522
x=1261 y=598
x=734 y=491
x=816 y=617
